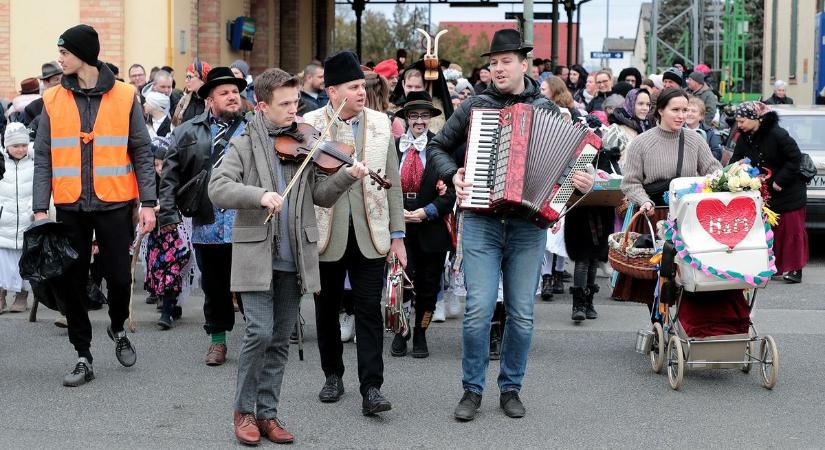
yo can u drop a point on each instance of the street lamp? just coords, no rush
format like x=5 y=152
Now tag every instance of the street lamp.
x=578 y=27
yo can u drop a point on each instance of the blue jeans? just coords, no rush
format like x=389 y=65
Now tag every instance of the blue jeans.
x=514 y=248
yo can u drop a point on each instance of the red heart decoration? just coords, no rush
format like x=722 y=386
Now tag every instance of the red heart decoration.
x=727 y=224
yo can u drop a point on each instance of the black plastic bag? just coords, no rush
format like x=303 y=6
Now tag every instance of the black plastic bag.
x=95 y=298
x=47 y=252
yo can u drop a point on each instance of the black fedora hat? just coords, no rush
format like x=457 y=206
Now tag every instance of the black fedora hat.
x=507 y=40
x=218 y=76
x=418 y=100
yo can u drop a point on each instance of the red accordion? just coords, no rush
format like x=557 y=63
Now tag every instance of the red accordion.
x=520 y=159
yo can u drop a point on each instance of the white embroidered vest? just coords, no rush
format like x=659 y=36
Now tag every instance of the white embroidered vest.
x=375 y=126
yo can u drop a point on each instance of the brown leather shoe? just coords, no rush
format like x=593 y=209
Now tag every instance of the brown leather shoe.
x=246 y=430
x=216 y=355
x=275 y=431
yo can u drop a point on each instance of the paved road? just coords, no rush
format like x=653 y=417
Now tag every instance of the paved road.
x=585 y=387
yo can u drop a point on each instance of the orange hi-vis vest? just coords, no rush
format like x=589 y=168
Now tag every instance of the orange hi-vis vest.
x=113 y=174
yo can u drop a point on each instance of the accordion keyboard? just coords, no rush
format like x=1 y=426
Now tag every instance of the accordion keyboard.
x=481 y=157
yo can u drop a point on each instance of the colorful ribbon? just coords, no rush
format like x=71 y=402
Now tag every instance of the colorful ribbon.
x=673 y=235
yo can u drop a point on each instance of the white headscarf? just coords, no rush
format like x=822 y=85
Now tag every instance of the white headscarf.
x=158 y=100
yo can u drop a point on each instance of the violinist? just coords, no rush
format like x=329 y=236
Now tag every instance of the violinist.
x=356 y=236
x=251 y=179
x=428 y=237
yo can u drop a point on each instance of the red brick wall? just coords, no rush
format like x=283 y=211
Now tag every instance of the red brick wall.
x=7 y=87
x=209 y=31
x=193 y=32
x=106 y=16
x=288 y=41
x=259 y=56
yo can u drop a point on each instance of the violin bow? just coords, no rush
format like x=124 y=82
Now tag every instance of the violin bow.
x=309 y=156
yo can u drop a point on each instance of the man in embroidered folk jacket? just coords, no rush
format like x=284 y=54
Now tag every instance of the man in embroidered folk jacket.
x=357 y=235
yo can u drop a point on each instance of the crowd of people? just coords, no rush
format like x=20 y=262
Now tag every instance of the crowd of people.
x=209 y=178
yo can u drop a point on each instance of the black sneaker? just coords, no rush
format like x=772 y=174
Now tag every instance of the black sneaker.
x=468 y=406
x=333 y=389
x=512 y=405
x=80 y=375
x=793 y=277
x=374 y=402
x=399 y=346
x=177 y=312
x=124 y=351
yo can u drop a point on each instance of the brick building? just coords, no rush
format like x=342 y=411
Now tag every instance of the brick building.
x=289 y=33
x=542 y=36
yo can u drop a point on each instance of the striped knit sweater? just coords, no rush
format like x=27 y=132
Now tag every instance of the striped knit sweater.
x=652 y=157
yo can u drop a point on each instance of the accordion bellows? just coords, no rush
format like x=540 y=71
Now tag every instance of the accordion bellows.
x=520 y=160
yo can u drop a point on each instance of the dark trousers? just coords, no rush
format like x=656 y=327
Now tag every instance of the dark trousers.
x=425 y=270
x=215 y=263
x=366 y=277
x=113 y=230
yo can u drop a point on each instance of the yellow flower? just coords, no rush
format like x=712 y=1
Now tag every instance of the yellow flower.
x=733 y=184
x=755 y=184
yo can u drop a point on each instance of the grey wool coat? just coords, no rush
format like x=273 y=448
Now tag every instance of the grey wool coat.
x=239 y=183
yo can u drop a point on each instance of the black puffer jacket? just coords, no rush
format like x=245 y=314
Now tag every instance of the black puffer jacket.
x=771 y=147
x=443 y=146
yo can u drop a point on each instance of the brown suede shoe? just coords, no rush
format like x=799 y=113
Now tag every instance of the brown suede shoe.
x=246 y=430
x=275 y=431
x=216 y=355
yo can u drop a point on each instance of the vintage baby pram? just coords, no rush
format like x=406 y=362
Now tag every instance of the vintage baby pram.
x=717 y=254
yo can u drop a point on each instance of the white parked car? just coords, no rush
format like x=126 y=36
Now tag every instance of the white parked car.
x=807 y=125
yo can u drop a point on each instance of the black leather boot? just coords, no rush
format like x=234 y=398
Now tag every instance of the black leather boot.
x=558 y=282
x=578 y=304
x=547 y=287
x=419 y=347
x=589 y=311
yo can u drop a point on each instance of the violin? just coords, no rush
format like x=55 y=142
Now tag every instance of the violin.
x=331 y=155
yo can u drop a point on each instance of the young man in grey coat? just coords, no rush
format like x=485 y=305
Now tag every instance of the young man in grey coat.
x=250 y=179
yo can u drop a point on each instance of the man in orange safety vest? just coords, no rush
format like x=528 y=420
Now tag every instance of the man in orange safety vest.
x=93 y=158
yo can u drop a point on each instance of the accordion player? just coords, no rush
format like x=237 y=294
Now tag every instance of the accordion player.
x=521 y=159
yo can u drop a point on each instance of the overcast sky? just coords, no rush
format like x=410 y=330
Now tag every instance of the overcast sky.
x=624 y=16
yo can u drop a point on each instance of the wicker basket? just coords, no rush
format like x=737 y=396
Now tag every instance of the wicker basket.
x=633 y=262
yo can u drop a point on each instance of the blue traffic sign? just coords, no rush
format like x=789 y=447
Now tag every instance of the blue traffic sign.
x=606 y=55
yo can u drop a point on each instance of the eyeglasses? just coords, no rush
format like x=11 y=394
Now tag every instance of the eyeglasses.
x=189 y=77
x=422 y=116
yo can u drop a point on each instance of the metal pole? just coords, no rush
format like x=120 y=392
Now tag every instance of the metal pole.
x=429 y=15
x=528 y=30
x=569 y=6
x=605 y=62
x=358 y=7
x=654 y=39
x=695 y=42
x=554 y=48
x=578 y=32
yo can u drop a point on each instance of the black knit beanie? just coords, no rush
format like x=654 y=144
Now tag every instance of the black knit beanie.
x=81 y=41
x=341 y=68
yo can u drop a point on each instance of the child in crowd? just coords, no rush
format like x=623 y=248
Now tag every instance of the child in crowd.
x=167 y=256
x=15 y=213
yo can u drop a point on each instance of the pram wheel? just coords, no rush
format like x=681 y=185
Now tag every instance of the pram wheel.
x=675 y=362
x=769 y=357
x=657 y=349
